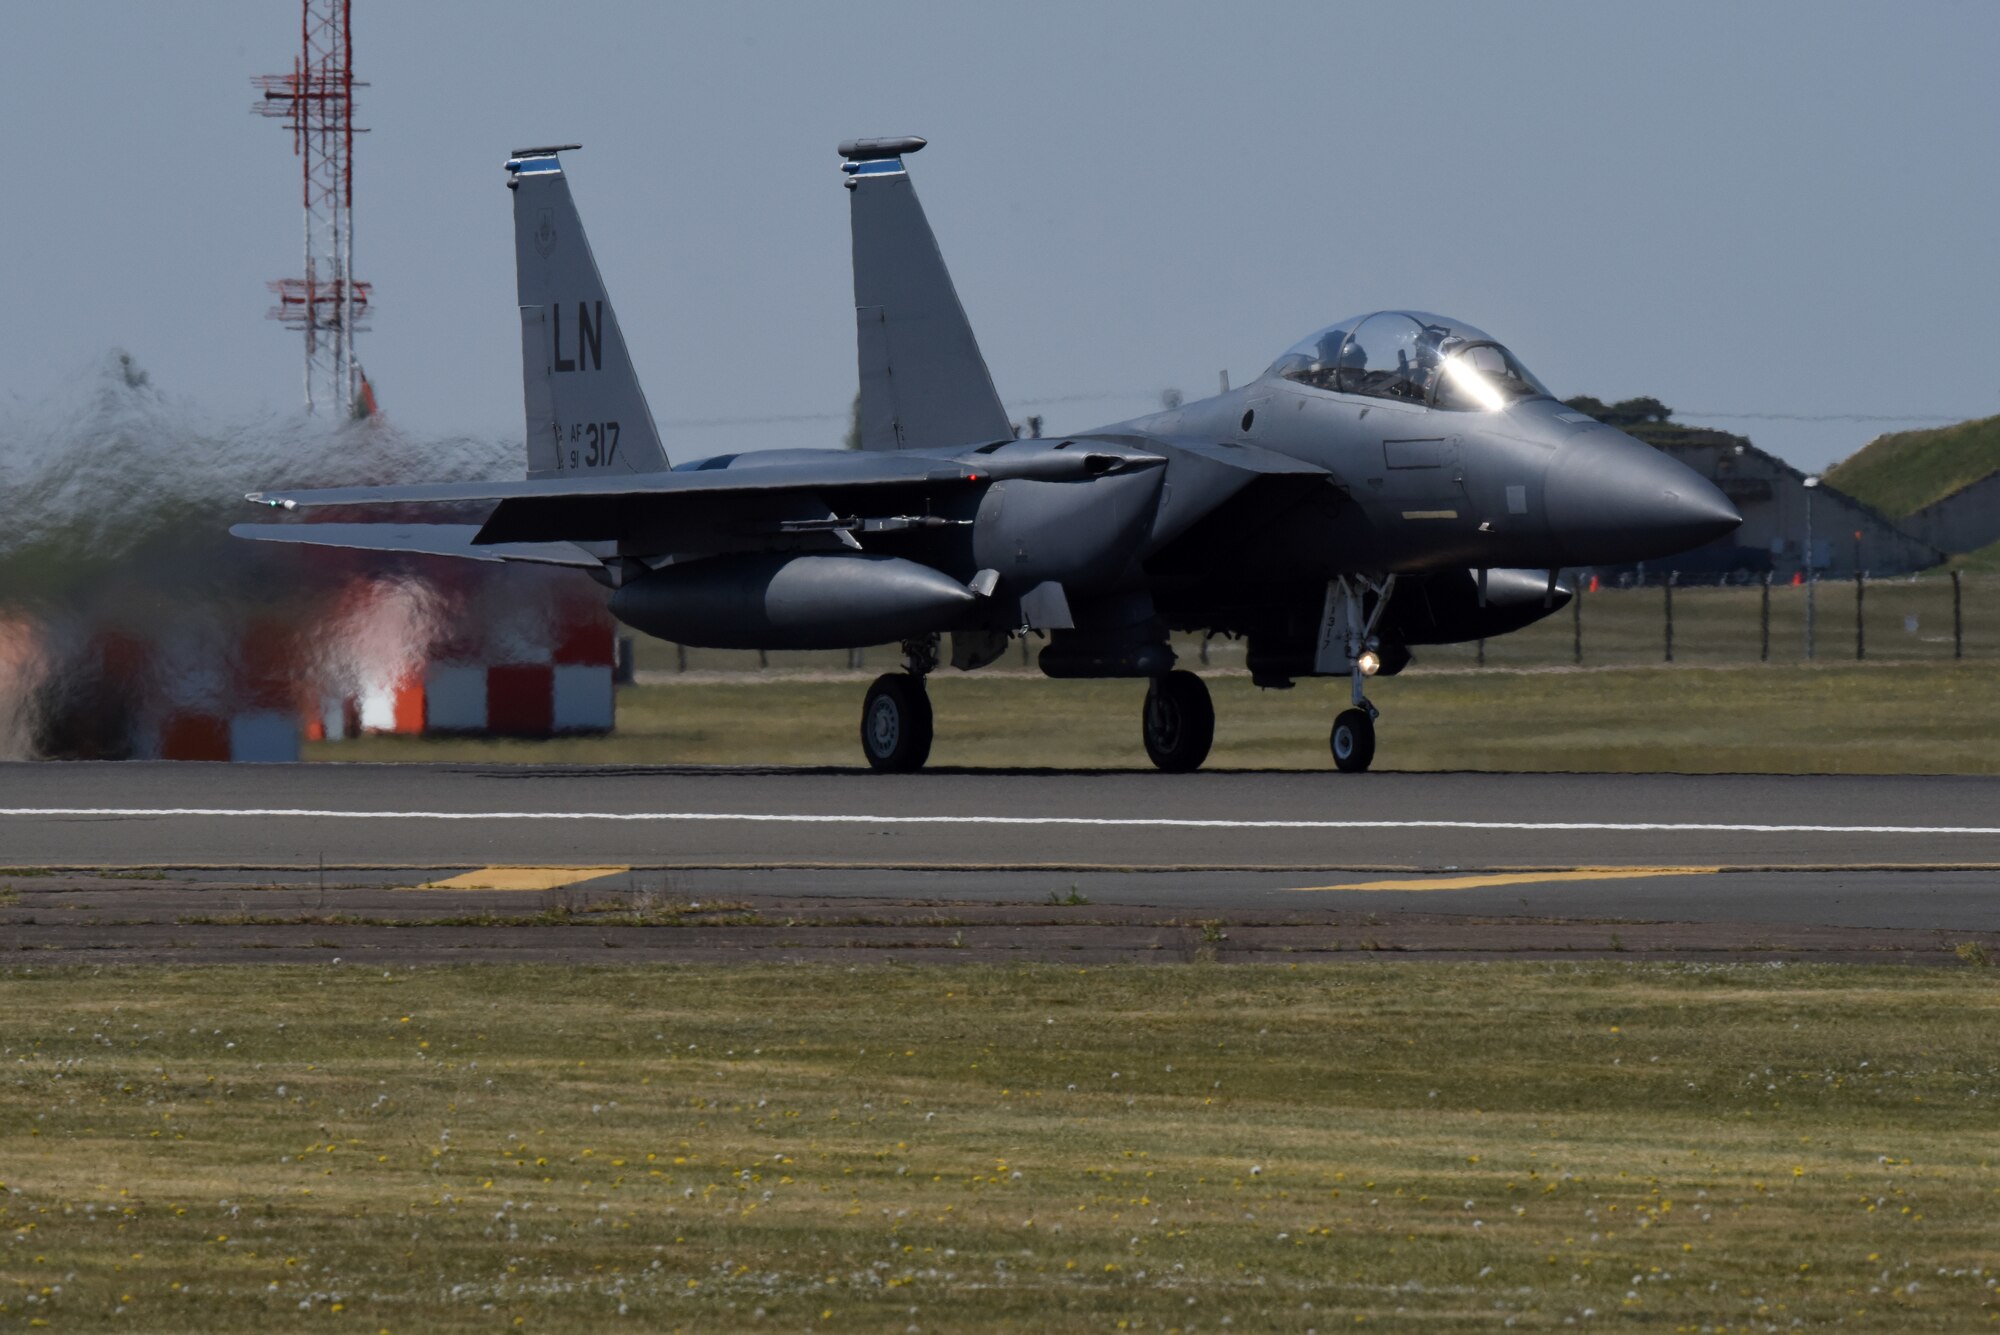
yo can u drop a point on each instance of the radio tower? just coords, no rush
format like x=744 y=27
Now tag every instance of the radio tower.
x=316 y=103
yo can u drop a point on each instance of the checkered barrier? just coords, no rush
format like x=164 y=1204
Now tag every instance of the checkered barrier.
x=565 y=687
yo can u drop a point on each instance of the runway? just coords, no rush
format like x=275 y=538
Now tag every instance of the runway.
x=1897 y=853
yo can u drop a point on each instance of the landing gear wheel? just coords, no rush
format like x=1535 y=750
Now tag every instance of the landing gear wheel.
x=1353 y=741
x=1180 y=722
x=896 y=724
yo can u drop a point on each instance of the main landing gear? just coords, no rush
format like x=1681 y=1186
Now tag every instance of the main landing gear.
x=896 y=723
x=1180 y=722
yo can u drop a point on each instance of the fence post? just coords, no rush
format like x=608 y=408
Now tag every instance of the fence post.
x=1024 y=648
x=1764 y=622
x=1576 y=621
x=763 y=659
x=1204 y=651
x=1957 y=621
x=1860 y=641
x=1812 y=584
x=1481 y=660
x=680 y=658
x=1668 y=586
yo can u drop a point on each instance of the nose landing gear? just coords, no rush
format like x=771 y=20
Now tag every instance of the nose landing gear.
x=1353 y=739
x=1347 y=636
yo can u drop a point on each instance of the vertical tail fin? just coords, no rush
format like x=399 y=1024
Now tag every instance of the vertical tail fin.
x=586 y=412
x=923 y=382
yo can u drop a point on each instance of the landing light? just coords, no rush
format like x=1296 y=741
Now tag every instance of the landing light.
x=1370 y=662
x=1472 y=382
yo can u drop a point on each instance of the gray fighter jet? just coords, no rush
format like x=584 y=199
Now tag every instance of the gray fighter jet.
x=1395 y=479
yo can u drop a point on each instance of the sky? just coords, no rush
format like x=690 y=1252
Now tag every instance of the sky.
x=1740 y=208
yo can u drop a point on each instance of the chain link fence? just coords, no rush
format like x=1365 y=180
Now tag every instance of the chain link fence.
x=1930 y=617
x=1933 y=617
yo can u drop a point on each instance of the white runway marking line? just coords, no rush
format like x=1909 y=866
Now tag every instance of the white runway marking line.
x=1147 y=822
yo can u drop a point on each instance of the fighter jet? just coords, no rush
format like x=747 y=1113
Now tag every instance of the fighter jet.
x=1393 y=480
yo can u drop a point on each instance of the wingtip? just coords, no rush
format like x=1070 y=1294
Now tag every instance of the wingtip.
x=871 y=150
x=545 y=161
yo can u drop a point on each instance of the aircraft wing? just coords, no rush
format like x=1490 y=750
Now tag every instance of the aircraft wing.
x=418 y=539
x=678 y=508
x=838 y=469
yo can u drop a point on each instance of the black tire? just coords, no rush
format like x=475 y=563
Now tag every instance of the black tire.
x=1179 y=722
x=896 y=724
x=1353 y=741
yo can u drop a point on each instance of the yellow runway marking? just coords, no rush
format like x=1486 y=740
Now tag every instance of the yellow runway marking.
x=1520 y=878
x=521 y=878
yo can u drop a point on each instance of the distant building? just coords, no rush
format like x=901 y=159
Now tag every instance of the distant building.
x=1964 y=521
x=1771 y=495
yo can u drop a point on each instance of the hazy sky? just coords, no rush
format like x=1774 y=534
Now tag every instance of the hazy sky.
x=1738 y=208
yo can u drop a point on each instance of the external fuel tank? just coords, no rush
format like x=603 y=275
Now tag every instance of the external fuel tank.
x=775 y=600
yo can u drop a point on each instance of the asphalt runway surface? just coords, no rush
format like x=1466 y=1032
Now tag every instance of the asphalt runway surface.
x=1453 y=862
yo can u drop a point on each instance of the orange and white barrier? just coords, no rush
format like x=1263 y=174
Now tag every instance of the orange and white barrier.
x=563 y=688
x=388 y=655
x=244 y=709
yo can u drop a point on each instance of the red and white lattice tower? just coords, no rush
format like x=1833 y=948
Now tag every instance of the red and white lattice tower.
x=316 y=103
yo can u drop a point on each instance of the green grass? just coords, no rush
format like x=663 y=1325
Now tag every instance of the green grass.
x=1620 y=627
x=1906 y=620
x=1836 y=718
x=1907 y=470
x=1422 y=1148
x=1909 y=707
x=1984 y=561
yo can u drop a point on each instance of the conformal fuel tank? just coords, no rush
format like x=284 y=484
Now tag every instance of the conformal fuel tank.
x=801 y=601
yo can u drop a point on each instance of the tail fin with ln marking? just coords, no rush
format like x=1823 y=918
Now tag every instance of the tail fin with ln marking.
x=923 y=381
x=585 y=410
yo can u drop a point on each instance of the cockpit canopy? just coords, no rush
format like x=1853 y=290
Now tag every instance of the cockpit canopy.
x=1413 y=356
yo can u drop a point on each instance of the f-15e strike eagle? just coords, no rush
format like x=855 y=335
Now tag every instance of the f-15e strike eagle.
x=1392 y=480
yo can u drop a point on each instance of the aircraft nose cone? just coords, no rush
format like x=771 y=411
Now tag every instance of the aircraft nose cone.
x=1613 y=499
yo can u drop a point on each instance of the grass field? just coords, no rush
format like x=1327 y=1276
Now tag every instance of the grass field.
x=1905 y=620
x=1833 y=718
x=1985 y=561
x=1197 y=1148
x=1907 y=470
x=1908 y=707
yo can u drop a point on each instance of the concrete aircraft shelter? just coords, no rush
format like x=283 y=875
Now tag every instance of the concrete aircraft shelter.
x=1771 y=496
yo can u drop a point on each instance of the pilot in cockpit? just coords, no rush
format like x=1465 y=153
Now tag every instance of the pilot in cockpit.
x=1410 y=356
x=1323 y=372
x=1416 y=378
